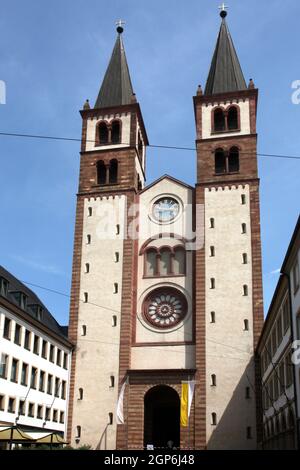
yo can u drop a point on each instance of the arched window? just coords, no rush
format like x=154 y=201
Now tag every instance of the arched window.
x=232 y=118
x=101 y=172
x=214 y=419
x=219 y=120
x=80 y=394
x=103 y=133
x=116 y=132
x=113 y=171
x=220 y=162
x=150 y=262
x=233 y=160
x=165 y=262
x=179 y=260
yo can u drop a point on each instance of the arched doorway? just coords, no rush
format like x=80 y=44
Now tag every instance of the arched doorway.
x=161 y=417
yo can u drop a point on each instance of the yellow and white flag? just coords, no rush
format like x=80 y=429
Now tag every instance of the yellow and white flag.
x=187 y=393
x=120 y=404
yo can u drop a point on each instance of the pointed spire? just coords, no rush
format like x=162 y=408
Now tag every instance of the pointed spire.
x=225 y=73
x=116 y=87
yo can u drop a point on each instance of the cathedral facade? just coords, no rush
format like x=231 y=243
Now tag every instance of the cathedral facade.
x=166 y=282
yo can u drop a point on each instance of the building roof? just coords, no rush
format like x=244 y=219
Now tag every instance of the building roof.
x=168 y=177
x=291 y=246
x=15 y=287
x=225 y=73
x=116 y=88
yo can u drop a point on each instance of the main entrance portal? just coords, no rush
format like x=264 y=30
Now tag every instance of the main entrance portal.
x=162 y=417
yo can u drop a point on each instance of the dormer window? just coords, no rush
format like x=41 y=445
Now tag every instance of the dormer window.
x=37 y=311
x=226 y=120
x=3 y=287
x=21 y=299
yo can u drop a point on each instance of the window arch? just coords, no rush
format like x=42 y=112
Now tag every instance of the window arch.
x=101 y=172
x=233 y=160
x=151 y=262
x=219 y=120
x=220 y=162
x=113 y=171
x=103 y=133
x=179 y=260
x=232 y=118
x=116 y=132
x=165 y=261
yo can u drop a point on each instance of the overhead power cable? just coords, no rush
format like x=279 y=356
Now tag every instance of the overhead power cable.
x=166 y=147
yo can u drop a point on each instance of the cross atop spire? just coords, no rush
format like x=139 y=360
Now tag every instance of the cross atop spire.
x=119 y=25
x=223 y=12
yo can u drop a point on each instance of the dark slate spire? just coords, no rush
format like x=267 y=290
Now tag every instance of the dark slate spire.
x=225 y=71
x=116 y=87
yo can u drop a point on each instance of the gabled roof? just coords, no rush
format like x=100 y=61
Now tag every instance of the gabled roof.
x=16 y=286
x=225 y=73
x=171 y=178
x=116 y=87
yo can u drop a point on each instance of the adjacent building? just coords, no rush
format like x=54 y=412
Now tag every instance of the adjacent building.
x=277 y=351
x=35 y=358
x=167 y=283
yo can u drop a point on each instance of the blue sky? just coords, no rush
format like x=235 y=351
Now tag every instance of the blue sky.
x=53 y=56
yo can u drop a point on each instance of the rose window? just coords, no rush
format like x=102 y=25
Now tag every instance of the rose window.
x=165 y=307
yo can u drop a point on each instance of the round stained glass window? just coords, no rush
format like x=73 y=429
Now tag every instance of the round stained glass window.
x=165 y=307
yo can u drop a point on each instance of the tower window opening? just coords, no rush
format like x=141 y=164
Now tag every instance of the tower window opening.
x=245 y=258
x=116 y=288
x=212 y=251
x=87 y=268
x=248 y=394
x=88 y=239
x=212 y=317
x=244 y=228
x=213 y=380
x=219 y=120
x=117 y=229
x=212 y=223
x=245 y=290
x=117 y=257
x=232 y=118
x=78 y=432
x=113 y=171
x=80 y=397
x=243 y=199
x=103 y=134
x=112 y=381
x=246 y=325
x=214 y=419
x=90 y=211
x=83 y=330
x=233 y=160
x=110 y=418
x=101 y=172
x=212 y=283
x=220 y=162
x=86 y=297
x=249 y=432
x=114 y=320
x=116 y=132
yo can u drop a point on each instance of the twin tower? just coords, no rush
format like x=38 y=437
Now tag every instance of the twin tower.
x=167 y=282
